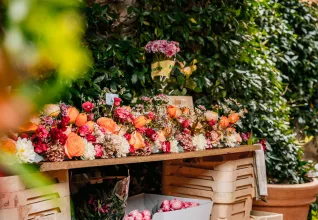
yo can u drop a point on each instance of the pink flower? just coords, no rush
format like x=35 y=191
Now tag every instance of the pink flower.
x=64 y=122
x=90 y=117
x=40 y=148
x=165 y=202
x=148 y=47
x=146 y=218
x=246 y=136
x=128 y=218
x=123 y=114
x=212 y=123
x=185 y=124
x=127 y=136
x=84 y=130
x=151 y=115
x=90 y=138
x=134 y=213
x=24 y=135
x=155 y=47
x=166 y=147
x=142 y=130
x=176 y=204
x=98 y=150
x=131 y=149
x=263 y=143
x=117 y=101
x=88 y=106
x=165 y=208
x=193 y=204
x=41 y=132
x=139 y=216
x=146 y=212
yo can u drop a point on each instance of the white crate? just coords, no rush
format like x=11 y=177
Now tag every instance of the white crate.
x=259 y=215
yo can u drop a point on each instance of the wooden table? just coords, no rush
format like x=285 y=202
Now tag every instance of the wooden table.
x=49 y=166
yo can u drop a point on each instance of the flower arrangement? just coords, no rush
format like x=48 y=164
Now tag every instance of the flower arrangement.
x=137 y=215
x=176 y=204
x=62 y=132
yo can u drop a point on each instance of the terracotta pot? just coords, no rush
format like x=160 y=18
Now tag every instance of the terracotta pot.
x=292 y=200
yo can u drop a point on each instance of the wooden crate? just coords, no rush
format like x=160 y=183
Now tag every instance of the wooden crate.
x=54 y=209
x=182 y=101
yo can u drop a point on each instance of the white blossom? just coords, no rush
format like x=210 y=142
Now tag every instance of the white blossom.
x=89 y=153
x=25 y=152
x=200 y=142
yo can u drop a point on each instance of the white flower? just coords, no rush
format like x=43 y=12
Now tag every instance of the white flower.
x=121 y=145
x=89 y=153
x=25 y=152
x=174 y=146
x=199 y=141
x=230 y=140
x=100 y=136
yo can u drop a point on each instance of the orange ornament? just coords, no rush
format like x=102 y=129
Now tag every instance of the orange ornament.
x=8 y=145
x=140 y=121
x=137 y=140
x=81 y=120
x=108 y=124
x=233 y=118
x=90 y=124
x=74 y=146
x=224 y=122
x=72 y=113
x=28 y=127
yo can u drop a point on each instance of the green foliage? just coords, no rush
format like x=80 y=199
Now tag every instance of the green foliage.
x=247 y=50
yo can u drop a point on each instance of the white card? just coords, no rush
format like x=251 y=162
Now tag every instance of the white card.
x=110 y=98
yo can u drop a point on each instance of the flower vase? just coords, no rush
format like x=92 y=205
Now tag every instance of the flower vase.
x=160 y=73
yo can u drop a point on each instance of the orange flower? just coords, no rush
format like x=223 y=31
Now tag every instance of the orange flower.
x=28 y=127
x=74 y=146
x=224 y=122
x=140 y=121
x=8 y=145
x=108 y=124
x=186 y=111
x=72 y=113
x=90 y=124
x=137 y=140
x=172 y=111
x=209 y=115
x=234 y=117
x=81 y=119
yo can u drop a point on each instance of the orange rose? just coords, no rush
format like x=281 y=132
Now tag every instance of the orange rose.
x=108 y=124
x=140 y=121
x=167 y=131
x=90 y=124
x=209 y=115
x=172 y=111
x=74 y=146
x=72 y=113
x=224 y=122
x=137 y=140
x=81 y=119
x=234 y=117
x=28 y=127
x=8 y=145
x=186 y=111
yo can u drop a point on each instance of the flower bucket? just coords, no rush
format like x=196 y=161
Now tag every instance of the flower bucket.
x=162 y=68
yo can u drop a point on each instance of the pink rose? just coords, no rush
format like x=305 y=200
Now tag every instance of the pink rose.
x=88 y=106
x=128 y=218
x=83 y=130
x=117 y=101
x=127 y=136
x=151 y=115
x=139 y=216
x=166 y=208
x=212 y=123
x=90 y=117
x=98 y=150
x=90 y=138
x=193 y=204
x=185 y=124
x=176 y=204
x=41 y=132
x=146 y=218
x=165 y=202
x=134 y=213
x=146 y=212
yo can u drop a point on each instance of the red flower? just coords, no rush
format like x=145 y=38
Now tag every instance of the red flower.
x=246 y=136
x=90 y=117
x=90 y=138
x=98 y=150
x=40 y=148
x=58 y=135
x=127 y=136
x=24 y=135
x=166 y=147
x=88 y=106
x=263 y=143
x=117 y=102
x=64 y=122
x=84 y=130
x=41 y=132
x=123 y=114
x=132 y=149
x=212 y=123
x=142 y=130
x=185 y=124
x=150 y=132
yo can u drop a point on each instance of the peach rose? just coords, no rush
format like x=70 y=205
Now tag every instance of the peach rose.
x=186 y=111
x=137 y=140
x=224 y=122
x=233 y=118
x=52 y=110
x=90 y=124
x=28 y=127
x=238 y=138
x=81 y=119
x=8 y=145
x=172 y=111
x=74 y=146
x=108 y=124
x=161 y=136
x=72 y=113
x=230 y=131
x=210 y=115
x=140 y=121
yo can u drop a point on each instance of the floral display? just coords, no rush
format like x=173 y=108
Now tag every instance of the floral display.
x=167 y=48
x=62 y=132
x=137 y=215
x=176 y=204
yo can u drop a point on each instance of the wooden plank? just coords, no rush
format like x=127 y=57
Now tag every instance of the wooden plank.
x=47 y=166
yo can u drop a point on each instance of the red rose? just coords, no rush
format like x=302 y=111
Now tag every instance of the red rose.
x=151 y=115
x=40 y=148
x=185 y=124
x=64 y=122
x=117 y=102
x=90 y=138
x=84 y=130
x=132 y=149
x=127 y=136
x=87 y=106
x=24 y=135
x=166 y=147
x=41 y=132
x=212 y=123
